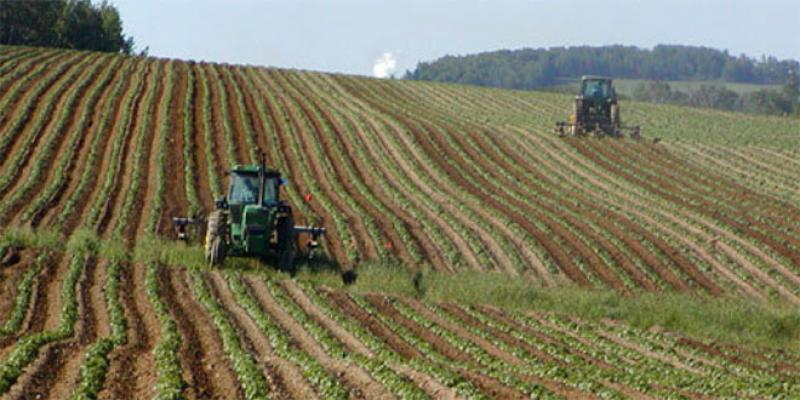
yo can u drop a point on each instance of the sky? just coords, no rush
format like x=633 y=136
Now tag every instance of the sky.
x=383 y=38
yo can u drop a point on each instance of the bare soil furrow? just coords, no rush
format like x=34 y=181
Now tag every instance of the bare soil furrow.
x=80 y=191
x=199 y=146
x=374 y=131
x=13 y=266
x=285 y=378
x=680 y=260
x=44 y=112
x=79 y=154
x=635 y=206
x=210 y=375
x=132 y=368
x=138 y=166
x=176 y=198
x=422 y=380
x=742 y=219
x=358 y=381
x=55 y=372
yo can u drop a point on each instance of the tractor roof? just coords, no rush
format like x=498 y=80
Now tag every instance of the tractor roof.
x=253 y=168
x=595 y=78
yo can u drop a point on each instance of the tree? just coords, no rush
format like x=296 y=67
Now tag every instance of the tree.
x=714 y=96
x=75 y=24
x=792 y=93
x=653 y=91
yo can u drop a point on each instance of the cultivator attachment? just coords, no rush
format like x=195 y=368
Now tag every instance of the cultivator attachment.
x=596 y=130
x=315 y=232
x=182 y=223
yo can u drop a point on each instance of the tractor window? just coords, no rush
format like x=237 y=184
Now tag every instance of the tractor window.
x=596 y=89
x=244 y=189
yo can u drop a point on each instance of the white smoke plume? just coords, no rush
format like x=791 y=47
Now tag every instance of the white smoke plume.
x=385 y=65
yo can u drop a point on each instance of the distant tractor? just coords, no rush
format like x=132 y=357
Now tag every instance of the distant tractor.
x=596 y=111
x=252 y=220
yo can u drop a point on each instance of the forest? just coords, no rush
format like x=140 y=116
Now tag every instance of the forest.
x=71 y=24
x=531 y=68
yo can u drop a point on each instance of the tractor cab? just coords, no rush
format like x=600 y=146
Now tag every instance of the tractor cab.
x=597 y=90
x=246 y=185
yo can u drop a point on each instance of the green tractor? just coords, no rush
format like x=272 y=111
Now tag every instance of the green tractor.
x=596 y=110
x=252 y=221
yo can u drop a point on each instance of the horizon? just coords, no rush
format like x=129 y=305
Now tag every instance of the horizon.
x=355 y=37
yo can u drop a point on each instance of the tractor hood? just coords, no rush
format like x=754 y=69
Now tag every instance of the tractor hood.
x=255 y=228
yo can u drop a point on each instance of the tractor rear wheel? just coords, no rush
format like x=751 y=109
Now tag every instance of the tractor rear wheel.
x=616 y=124
x=286 y=244
x=216 y=248
x=215 y=252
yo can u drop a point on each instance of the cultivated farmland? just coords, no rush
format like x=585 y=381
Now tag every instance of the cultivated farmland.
x=98 y=152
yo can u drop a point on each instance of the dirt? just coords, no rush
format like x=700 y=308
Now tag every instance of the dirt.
x=507 y=320
x=589 y=150
x=424 y=138
x=153 y=152
x=132 y=369
x=175 y=202
x=599 y=215
x=208 y=371
x=77 y=161
x=341 y=334
x=100 y=163
x=639 y=205
x=462 y=332
x=384 y=306
x=343 y=159
x=221 y=133
x=55 y=372
x=742 y=221
x=237 y=123
x=68 y=111
x=70 y=80
x=57 y=70
x=342 y=301
x=507 y=161
x=510 y=340
x=13 y=266
x=492 y=387
x=285 y=379
x=358 y=381
x=199 y=145
x=128 y=165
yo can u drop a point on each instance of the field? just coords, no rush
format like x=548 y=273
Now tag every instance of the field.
x=98 y=152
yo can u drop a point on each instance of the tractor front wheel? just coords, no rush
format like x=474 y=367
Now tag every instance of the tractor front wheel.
x=286 y=244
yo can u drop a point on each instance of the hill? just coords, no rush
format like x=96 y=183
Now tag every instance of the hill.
x=99 y=151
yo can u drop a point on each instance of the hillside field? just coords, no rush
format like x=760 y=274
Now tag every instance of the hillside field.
x=97 y=300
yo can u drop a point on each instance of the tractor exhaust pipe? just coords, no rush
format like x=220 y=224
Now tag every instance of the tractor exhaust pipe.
x=261 y=170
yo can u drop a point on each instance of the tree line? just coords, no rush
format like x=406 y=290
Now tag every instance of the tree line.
x=536 y=68
x=72 y=24
x=785 y=101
